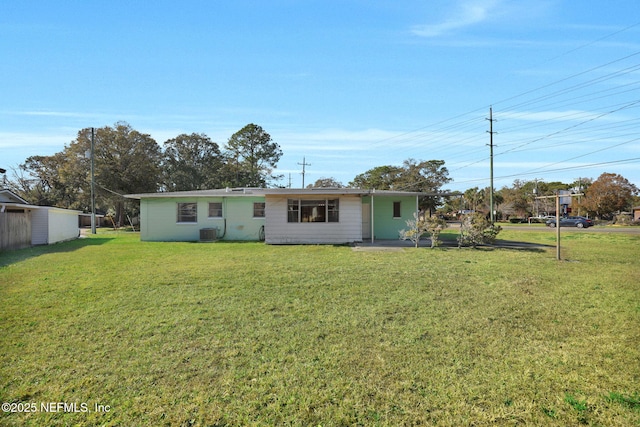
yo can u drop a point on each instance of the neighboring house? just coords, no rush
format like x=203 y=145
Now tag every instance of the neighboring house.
x=636 y=213
x=277 y=216
x=23 y=225
x=8 y=196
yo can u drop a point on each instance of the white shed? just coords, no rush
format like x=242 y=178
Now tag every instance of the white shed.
x=52 y=225
x=22 y=224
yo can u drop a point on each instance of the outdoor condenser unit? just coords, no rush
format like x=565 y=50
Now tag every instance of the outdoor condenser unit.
x=208 y=234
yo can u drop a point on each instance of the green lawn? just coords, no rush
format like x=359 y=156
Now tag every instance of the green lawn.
x=188 y=334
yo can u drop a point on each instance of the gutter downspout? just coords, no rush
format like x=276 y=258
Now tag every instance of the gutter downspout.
x=224 y=219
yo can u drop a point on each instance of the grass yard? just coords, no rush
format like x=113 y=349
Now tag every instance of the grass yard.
x=188 y=334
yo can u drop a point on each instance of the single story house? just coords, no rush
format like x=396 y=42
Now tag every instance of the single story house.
x=276 y=215
x=23 y=225
x=636 y=213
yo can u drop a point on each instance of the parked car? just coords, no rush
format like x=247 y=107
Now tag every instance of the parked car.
x=571 y=221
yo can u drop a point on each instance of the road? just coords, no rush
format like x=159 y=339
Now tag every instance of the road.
x=595 y=229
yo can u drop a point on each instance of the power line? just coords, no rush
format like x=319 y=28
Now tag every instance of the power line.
x=452 y=138
x=568 y=168
x=572 y=127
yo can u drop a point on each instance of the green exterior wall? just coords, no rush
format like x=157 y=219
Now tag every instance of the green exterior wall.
x=384 y=224
x=159 y=219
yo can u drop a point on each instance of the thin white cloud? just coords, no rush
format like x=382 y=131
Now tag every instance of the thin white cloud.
x=467 y=13
x=17 y=140
x=337 y=140
x=51 y=114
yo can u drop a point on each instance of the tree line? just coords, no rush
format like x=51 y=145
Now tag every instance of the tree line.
x=127 y=162
x=601 y=198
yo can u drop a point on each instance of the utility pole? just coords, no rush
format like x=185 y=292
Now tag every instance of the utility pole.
x=558 y=226
x=303 y=164
x=491 y=132
x=93 y=196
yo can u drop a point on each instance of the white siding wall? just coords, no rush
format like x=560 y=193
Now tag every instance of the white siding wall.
x=63 y=225
x=51 y=225
x=39 y=227
x=347 y=230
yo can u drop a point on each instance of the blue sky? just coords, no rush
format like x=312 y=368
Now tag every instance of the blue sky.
x=348 y=85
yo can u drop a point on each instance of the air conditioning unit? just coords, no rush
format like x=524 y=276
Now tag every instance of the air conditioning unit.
x=208 y=234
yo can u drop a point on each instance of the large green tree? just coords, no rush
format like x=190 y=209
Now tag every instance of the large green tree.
x=326 y=183
x=251 y=156
x=56 y=180
x=427 y=176
x=380 y=177
x=421 y=176
x=126 y=161
x=424 y=176
x=192 y=162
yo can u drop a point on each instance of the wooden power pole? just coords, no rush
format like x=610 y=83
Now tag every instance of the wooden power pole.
x=303 y=164
x=93 y=191
x=491 y=132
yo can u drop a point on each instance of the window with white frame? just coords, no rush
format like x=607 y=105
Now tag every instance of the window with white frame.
x=215 y=210
x=187 y=212
x=316 y=210
x=293 y=210
x=258 y=209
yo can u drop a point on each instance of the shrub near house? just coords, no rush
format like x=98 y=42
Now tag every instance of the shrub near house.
x=477 y=230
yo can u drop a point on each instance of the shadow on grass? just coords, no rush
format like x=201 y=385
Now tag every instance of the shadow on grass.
x=500 y=244
x=515 y=245
x=451 y=240
x=13 y=256
x=452 y=243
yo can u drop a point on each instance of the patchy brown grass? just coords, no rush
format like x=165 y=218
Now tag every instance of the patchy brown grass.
x=248 y=334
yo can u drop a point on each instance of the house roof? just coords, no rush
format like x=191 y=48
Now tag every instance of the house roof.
x=8 y=205
x=9 y=199
x=248 y=192
x=9 y=196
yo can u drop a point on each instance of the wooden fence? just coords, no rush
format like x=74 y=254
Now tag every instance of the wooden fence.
x=15 y=230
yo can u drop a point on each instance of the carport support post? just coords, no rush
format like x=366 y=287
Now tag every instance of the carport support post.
x=558 y=226
x=372 y=216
